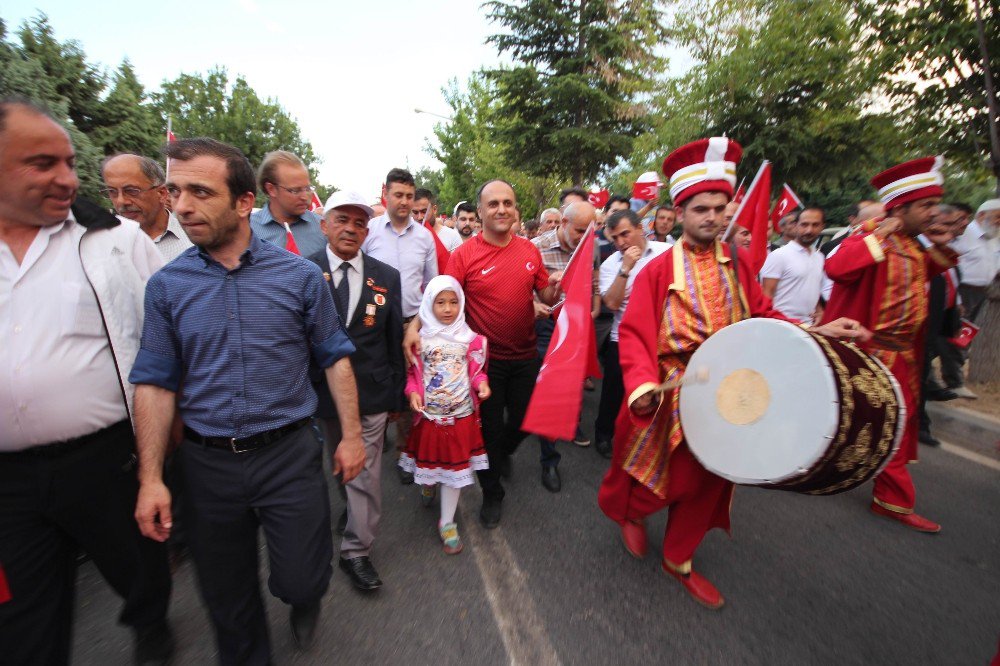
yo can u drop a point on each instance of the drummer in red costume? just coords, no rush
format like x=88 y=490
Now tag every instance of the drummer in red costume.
x=680 y=299
x=880 y=278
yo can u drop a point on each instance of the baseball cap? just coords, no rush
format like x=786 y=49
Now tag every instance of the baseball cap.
x=342 y=198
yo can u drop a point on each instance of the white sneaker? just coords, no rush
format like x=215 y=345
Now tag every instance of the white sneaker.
x=963 y=392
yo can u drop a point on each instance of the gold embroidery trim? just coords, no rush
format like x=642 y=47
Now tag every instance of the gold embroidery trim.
x=892 y=507
x=642 y=389
x=875 y=248
x=683 y=568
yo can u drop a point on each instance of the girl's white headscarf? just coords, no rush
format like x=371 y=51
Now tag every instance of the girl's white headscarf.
x=456 y=331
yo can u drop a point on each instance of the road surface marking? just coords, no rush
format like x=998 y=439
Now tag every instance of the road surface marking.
x=971 y=455
x=517 y=618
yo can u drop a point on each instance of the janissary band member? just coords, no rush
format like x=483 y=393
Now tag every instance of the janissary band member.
x=880 y=278
x=680 y=299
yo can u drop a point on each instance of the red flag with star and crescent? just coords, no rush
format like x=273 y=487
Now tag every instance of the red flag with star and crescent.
x=554 y=408
x=787 y=202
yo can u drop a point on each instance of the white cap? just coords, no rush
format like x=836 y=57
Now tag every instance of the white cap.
x=988 y=205
x=342 y=198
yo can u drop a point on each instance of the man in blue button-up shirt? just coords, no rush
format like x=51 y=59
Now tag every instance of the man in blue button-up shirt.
x=231 y=327
x=283 y=177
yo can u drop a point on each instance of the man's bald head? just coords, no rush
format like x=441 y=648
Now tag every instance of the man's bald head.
x=576 y=219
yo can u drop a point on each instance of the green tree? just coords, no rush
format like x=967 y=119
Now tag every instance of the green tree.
x=131 y=124
x=796 y=91
x=572 y=105
x=208 y=106
x=941 y=74
x=471 y=154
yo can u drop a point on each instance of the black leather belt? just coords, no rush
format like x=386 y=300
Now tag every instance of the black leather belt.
x=246 y=444
x=58 y=449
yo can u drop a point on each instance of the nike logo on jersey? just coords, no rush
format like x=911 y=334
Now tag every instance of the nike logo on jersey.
x=487 y=270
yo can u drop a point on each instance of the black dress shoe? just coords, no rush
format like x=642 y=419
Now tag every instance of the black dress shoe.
x=550 y=479
x=925 y=437
x=342 y=522
x=941 y=395
x=603 y=447
x=154 y=644
x=361 y=572
x=406 y=478
x=302 y=620
x=489 y=514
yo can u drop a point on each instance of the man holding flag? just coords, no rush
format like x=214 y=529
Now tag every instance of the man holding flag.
x=286 y=220
x=681 y=298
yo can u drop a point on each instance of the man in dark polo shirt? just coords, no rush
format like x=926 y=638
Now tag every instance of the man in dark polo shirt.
x=230 y=327
x=499 y=273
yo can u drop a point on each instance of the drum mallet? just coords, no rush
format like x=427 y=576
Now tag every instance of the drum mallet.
x=700 y=377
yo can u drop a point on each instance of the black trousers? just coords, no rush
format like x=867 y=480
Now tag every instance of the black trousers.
x=50 y=508
x=511 y=384
x=612 y=394
x=280 y=488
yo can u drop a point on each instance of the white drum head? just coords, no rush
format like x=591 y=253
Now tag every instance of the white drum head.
x=769 y=408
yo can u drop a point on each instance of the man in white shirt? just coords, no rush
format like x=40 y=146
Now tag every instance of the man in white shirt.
x=136 y=186
x=72 y=280
x=792 y=275
x=425 y=209
x=395 y=238
x=634 y=251
x=979 y=256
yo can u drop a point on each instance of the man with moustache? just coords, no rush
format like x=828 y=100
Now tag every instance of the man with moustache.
x=241 y=321
x=366 y=293
x=72 y=278
x=792 y=275
x=678 y=300
x=500 y=273
x=136 y=187
x=466 y=220
x=880 y=278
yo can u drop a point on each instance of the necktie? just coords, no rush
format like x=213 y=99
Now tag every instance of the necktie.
x=343 y=294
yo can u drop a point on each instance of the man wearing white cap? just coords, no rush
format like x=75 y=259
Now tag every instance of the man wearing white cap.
x=367 y=295
x=979 y=256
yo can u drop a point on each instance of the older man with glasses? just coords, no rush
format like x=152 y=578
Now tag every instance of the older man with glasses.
x=135 y=185
x=286 y=220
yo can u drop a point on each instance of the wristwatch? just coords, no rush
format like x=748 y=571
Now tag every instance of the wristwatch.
x=623 y=274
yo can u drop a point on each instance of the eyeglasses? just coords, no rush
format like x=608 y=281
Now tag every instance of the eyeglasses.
x=130 y=192
x=296 y=191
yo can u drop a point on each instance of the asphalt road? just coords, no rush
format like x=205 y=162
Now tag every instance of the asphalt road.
x=808 y=580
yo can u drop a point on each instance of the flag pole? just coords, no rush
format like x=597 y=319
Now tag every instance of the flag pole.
x=170 y=132
x=732 y=222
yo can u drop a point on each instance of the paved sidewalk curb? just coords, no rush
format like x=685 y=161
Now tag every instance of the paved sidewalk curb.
x=970 y=429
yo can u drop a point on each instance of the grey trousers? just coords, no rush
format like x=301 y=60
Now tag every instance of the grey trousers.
x=364 y=492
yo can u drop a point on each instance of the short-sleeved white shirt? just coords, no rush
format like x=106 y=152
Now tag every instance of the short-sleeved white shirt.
x=799 y=272
x=613 y=264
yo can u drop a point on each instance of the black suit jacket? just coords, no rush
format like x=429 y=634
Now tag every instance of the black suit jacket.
x=378 y=339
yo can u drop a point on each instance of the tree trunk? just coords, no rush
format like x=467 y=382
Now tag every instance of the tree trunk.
x=984 y=354
x=992 y=105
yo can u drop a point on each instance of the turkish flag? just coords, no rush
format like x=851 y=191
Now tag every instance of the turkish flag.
x=4 y=587
x=788 y=202
x=555 y=404
x=752 y=215
x=439 y=249
x=598 y=198
x=315 y=204
x=646 y=187
x=966 y=335
x=170 y=137
x=290 y=241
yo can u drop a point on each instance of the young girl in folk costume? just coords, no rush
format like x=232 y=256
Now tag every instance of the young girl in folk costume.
x=445 y=387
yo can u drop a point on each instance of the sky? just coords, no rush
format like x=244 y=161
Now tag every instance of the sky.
x=350 y=72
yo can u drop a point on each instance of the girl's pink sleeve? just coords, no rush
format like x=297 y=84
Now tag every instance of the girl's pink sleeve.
x=480 y=375
x=413 y=381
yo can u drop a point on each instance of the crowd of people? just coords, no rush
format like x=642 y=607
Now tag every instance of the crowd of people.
x=176 y=366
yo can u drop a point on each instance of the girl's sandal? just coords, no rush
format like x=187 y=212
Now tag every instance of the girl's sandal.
x=450 y=539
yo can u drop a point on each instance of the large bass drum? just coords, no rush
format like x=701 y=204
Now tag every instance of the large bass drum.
x=787 y=409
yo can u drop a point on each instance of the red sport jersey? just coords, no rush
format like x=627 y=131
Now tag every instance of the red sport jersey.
x=499 y=285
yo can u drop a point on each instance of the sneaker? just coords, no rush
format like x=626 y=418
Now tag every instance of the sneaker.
x=427 y=495
x=963 y=392
x=580 y=439
x=452 y=543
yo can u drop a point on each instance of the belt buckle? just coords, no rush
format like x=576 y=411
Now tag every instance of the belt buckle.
x=232 y=446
